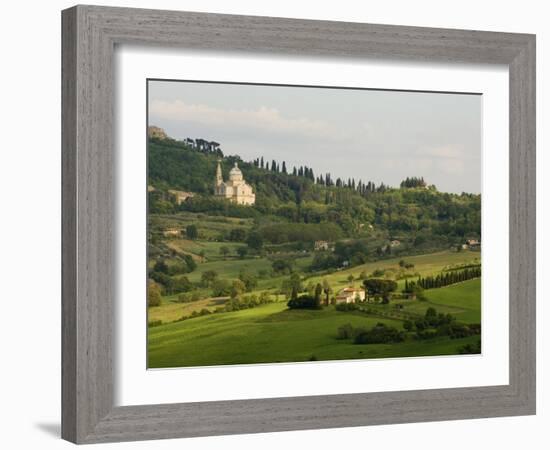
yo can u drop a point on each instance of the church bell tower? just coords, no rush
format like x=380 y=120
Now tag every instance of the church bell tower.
x=219 y=178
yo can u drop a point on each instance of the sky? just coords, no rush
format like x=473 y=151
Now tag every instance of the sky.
x=372 y=135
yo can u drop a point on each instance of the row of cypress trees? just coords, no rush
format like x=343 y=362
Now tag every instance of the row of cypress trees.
x=447 y=278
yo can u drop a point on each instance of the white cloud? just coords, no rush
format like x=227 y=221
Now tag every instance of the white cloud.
x=261 y=119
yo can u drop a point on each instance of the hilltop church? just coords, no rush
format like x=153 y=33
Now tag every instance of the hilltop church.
x=235 y=189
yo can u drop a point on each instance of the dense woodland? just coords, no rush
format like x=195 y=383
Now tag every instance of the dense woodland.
x=298 y=205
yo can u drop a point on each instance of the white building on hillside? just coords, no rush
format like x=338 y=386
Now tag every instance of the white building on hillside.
x=235 y=189
x=350 y=295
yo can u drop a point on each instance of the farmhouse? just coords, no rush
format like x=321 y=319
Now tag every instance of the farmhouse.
x=236 y=189
x=170 y=232
x=350 y=295
x=180 y=196
x=321 y=245
x=473 y=244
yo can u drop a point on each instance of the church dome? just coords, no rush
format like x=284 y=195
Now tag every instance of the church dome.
x=235 y=174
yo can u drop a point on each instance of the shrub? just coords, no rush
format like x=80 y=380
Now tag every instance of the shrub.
x=408 y=325
x=304 y=302
x=237 y=288
x=153 y=294
x=282 y=266
x=346 y=307
x=180 y=284
x=380 y=334
x=344 y=331
x=242 y=251
x=191 y=231
x=208 y=277
x=250 y=281
x=221 y=288
x=237 y=234
x=470 y=349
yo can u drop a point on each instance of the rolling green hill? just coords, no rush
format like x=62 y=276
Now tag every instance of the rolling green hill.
x=271 y=333
x=221 y=275
x=423 y=218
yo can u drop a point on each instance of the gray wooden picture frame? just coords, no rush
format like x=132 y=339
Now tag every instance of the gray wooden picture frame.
x=90 y=34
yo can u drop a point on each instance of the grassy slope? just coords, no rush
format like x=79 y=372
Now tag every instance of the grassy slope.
x=464 y=298
x=271 y=333
x=423 y=264
x=453 y=299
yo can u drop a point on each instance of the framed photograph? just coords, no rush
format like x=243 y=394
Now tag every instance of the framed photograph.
x=278 y=224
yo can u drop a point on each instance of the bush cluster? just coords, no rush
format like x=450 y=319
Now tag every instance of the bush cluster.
x=304 y=302
x=379 y=334
x=347 y=307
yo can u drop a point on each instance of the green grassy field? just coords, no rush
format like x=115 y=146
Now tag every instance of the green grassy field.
x=271 y=333
x=463 y=298
x=210 y=226
x=423 y=265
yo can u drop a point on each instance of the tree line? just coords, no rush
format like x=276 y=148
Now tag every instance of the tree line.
x=430 y=218
x=324 y=180
x=445 y=279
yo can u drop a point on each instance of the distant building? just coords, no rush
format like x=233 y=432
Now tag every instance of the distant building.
x=171 y=232
x=181 y=196
x=473 y=244
x=321 y=245
x=151 y=188
x=236 y=189
x=395 y=243
x=156 y=132
x=350 y=295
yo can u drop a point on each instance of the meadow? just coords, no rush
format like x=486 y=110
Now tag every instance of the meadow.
x=272 y=333
x=201 y=333
x=314 y=266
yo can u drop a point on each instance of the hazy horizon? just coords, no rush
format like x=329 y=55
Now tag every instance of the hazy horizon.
x=369 y=135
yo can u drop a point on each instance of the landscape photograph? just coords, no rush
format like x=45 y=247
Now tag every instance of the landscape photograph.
x=292 y=224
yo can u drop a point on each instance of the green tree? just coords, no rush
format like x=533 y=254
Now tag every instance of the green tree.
x=294 y=283
x=242 y=251
x=192 y=232
x=249 y=280
x=350 y=278
x=153 y=294
x=255 y=241
x=220 y=288
x=318 y=293
x=161 y=266
x=327 y=290
x=208 y=277
x=408 y=325
x=237 y=288
x=237 y=234
x=224 y=251
x=379 y=287
x=282 y=266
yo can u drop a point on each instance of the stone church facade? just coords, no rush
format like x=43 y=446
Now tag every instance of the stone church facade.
x=236 y=189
